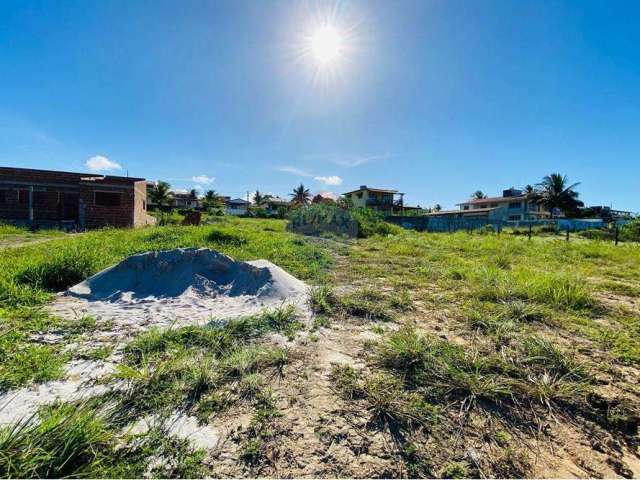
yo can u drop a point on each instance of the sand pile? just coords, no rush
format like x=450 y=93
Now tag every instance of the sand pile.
x=181 y=286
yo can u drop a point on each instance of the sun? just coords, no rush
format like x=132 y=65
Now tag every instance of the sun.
x=326 y=44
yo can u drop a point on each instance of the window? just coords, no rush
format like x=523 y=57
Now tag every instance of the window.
x=144 y=204
x=514 y=217
x=494 y=205
x=3 y=196
x=107 y=199
x=23 y=197
x=465 y=207
x=484 y=205
x=515 y=205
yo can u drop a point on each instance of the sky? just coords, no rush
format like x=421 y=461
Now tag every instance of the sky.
x=436 y=99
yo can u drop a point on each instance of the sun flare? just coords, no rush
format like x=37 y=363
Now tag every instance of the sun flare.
x=326 y=44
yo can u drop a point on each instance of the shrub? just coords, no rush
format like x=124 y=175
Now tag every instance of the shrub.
x=631 y=231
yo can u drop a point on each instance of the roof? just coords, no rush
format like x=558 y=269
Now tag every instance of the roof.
x=276 y=200
x=493 y=200
x=239 y=201
x=462 y=212
x=78 y=176
x=378 y=190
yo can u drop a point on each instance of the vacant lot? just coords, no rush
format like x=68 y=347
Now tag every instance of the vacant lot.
x=445 y=355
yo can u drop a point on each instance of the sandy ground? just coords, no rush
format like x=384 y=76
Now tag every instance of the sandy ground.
x=155 y=290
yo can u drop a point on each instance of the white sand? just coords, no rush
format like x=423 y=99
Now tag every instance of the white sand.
x=77 y=385
x=156 y=289
x=181 y=287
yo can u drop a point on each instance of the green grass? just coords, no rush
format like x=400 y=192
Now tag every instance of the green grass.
x=72 y=441
x=31 y=274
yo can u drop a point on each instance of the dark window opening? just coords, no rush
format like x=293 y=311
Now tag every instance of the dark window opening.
x=144 y=204
x=515 y=205
x=107 y=199
x=23 y=197
x=3 y=196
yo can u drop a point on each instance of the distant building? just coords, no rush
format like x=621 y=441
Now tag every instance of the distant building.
x=84 y=200
x=273 y=204
x=605 y=213
x=237 y=206
x=380 y=199
x=184 y=199
x=513 y=205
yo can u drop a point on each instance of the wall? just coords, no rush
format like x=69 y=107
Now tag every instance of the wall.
x=56 y=194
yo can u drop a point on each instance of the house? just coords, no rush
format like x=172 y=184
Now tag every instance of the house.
x=273 y=204
x=83 y=200
x=513 y=205
x=237 y=206
x=377 y=198
x=184 y=199
x=605 y=213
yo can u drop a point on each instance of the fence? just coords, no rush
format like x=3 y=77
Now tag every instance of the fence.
x=454 y=224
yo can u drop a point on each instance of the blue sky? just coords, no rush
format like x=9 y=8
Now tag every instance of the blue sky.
x=434 y=98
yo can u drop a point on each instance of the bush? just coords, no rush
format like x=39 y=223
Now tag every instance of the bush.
x=371 y=222
x=631 y=231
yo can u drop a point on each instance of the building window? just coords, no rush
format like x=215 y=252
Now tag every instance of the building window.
x=514 y=217
x=494 y=205
x=23 y=197
x=515 y=205
x=107 y=199
x=144 y=204
x=484 y=205
x=465 y=207
x=3 y=196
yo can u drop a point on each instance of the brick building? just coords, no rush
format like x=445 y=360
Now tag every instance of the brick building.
x=50 y=198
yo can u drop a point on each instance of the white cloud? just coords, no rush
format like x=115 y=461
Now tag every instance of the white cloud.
x=203 y=179
x=294 y=171
x=332 y=195
x=100 y=163
x=352 y=161
x=330 y=180
x=199 y=188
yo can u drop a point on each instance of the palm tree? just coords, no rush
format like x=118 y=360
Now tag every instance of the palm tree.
x=161 y=194
x=212 y=200
x=259 y=199
x=556 y=193
x=437 y=207
x=478 y=195
x=300 y=195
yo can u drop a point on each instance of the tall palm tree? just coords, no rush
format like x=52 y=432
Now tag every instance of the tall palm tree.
x=556 y=193
x=478 y=195
x=259 y=199
x=161 y=194
x=437 y=207
x=212 y=200
x=301 y=195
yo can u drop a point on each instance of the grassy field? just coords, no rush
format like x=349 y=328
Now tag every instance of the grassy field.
x=430 y=355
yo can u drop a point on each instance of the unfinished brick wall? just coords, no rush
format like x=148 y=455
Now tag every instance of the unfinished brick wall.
x=65 y=196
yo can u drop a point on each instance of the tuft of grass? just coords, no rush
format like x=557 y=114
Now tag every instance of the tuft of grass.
x=387 y=403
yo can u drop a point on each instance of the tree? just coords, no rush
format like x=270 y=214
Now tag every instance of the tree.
x=161 y=194
x=193 y=194
x=212 y=200
x=437 y=207
x=259 y=199
x=556 y=193
x=301 y=195
x=478 y=195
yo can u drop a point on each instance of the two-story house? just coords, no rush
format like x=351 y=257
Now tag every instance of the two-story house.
x=388 y=201
x=513 y=205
